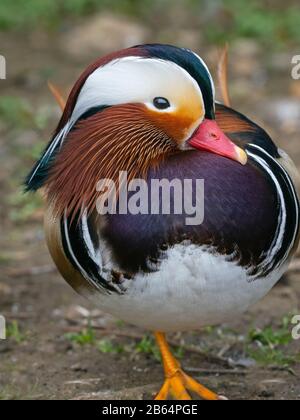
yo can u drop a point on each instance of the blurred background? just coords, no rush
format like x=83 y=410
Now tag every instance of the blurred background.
x=58 y=345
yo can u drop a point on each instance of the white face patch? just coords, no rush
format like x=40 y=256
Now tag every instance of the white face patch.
x=138 y=80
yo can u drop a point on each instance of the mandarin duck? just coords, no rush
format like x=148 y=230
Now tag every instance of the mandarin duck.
x=150 y=111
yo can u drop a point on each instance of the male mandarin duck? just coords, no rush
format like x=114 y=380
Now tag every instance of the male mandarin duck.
x=150 y=110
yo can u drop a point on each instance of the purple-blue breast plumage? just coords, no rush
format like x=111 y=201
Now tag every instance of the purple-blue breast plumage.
x=240 y=206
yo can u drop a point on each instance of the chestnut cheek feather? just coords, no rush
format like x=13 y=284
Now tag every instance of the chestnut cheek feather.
x=119 y=139
x=127 y=138
x=177 y=125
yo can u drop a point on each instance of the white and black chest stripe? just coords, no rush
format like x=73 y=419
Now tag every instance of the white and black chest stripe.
x=288 y=211
x=81 y=247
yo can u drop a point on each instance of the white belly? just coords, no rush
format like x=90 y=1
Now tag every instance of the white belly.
x=193 y=288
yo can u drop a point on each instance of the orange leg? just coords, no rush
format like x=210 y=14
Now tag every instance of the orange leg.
x=177 y=383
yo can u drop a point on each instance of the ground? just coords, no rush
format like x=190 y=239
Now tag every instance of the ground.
x=61 y=347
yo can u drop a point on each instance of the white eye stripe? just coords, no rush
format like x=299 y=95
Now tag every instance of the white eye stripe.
x=123 y=81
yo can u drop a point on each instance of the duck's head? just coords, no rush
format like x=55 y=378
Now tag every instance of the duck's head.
x=127 y=112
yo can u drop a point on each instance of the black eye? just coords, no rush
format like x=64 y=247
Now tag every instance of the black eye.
x=161 y=103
